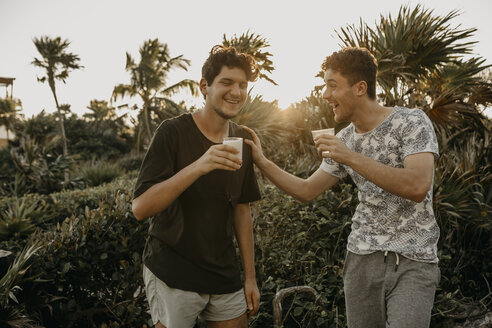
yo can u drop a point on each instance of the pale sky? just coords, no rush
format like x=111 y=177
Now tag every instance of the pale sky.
x=301 y=35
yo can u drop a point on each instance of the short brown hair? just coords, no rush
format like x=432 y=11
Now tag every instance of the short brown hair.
x=355 y=64
x=230 y=57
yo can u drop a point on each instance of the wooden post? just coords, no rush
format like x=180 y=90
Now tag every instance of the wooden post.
x=281 y=294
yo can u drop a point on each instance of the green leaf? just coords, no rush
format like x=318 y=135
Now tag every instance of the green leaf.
x=66 y=267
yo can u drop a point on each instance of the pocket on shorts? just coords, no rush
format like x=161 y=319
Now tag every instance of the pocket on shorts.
x=438 y=275
x=344 y=269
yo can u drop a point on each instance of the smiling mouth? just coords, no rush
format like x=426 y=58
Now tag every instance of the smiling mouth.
x=230 y=101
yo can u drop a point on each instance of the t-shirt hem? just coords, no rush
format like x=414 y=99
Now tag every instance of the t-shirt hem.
x=175 y=282
x=406 y=255
x=433 y=152
x=327 y=170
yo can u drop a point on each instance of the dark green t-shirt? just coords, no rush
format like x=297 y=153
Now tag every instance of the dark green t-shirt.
x=190 y=244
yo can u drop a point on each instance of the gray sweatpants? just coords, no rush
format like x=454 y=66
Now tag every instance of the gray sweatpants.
x=378 y=296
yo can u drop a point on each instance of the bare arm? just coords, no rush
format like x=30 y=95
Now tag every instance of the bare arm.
x=302 y=189
x=243 y=225
x=158 y=197
x=412 y=181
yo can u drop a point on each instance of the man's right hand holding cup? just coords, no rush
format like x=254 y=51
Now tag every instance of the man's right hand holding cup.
x=219 y=157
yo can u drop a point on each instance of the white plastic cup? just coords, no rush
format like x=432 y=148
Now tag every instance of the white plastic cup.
x=329 y=131
x=236 y=142
x=316 y=133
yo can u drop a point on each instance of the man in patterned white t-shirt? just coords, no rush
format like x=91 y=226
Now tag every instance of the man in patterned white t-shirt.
x=390 y=272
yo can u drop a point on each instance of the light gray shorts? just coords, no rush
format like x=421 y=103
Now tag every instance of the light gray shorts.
x=176 y=308
x=391 y=291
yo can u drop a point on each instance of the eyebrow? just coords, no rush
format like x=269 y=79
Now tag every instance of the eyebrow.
x=330 y=80
x=229 y=80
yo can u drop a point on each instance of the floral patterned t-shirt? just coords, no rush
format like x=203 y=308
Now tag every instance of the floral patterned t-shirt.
x=382 y=220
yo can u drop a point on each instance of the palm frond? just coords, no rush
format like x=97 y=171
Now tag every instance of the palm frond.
x=122 y=90
x=16 y=271
x=266 y=119
x=191 y=85
x=448 y=107
x=253 y=44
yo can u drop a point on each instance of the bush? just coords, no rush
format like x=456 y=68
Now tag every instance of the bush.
x=99 y=173
x=89 y=272
x=303 y=244
x=93 y=265
x=13 y=314
x=131 y=163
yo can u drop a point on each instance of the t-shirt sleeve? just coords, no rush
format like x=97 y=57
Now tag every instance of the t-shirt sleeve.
x=158 y=163
x=250 y=191
x=419 y=136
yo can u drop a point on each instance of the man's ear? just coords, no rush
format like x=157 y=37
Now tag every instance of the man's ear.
x=361 y=88
x=203 y=87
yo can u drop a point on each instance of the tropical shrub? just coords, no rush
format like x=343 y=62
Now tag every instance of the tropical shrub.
x=105 y=138
x=131 y=162
x=98 y=173
x=13 y=313
x=303 y=244
x=89 y=271
x=38 y=168
x=462 y=197
x=93 y=268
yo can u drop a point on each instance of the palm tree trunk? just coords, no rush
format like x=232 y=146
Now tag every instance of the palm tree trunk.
x=62 y=128
x=147 y=121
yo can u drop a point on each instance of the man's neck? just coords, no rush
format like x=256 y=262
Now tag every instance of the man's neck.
x=214 y=127
x=369 y=116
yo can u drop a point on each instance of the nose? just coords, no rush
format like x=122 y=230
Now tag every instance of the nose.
x=235 y=90
x=326 y=94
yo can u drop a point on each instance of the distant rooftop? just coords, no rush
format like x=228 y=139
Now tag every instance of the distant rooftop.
x=5 y=82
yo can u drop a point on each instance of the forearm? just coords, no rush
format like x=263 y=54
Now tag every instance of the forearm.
x=158 y=197
x=243 y=226
x=289 y=183
x=405 y=182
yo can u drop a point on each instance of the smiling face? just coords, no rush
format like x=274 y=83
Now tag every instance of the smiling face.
x=341 y=95
x=227 y=93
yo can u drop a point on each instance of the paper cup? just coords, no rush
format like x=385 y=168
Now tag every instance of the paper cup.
x=316 y=133
x=235 y=142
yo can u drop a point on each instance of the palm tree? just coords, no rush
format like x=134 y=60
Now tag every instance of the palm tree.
x=253 y=44
x=57 y=63
x=148 y=80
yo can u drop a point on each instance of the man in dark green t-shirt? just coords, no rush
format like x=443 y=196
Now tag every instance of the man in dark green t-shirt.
x=197 y=191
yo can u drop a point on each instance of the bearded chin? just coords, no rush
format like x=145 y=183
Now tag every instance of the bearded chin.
x=223 y=115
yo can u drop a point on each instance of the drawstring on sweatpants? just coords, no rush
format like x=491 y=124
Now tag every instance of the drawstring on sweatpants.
x=397 y=259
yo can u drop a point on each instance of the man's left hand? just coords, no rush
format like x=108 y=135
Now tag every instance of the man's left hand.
x=252 y=295
x=334 y=148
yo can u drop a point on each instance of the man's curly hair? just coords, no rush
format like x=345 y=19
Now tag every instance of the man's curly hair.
x=355 y=64
x=230 y=57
